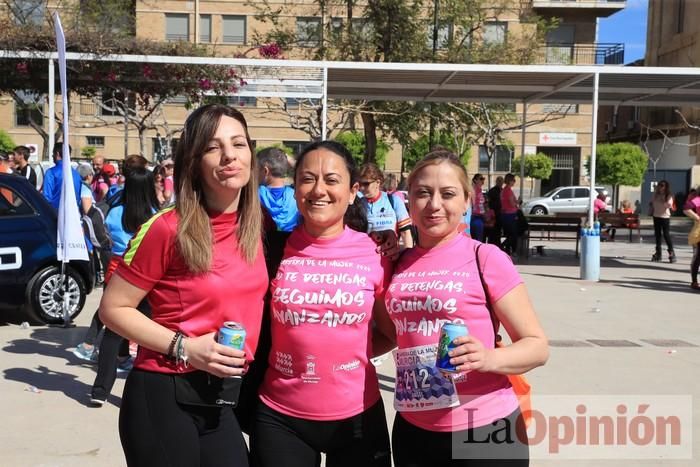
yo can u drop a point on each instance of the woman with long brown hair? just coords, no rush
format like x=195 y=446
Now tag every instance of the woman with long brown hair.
x=199 y=264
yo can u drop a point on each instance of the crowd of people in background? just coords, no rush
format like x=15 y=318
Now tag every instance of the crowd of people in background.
x=189 y=241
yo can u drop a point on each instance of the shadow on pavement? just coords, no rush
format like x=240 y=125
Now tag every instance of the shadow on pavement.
x=45 y=379
x=54 y=342
x=663 y=285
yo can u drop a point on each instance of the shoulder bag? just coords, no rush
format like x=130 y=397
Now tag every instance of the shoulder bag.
x=520 y=385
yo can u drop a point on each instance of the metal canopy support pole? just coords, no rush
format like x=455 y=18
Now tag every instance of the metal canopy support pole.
x=590 y=242
x=324 y=109
x=52 y=105
x=522 y=151
x=594 y=136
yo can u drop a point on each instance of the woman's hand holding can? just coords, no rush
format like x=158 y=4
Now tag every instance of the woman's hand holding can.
x=205 y=354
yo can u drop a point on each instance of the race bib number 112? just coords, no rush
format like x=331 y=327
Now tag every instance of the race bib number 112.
x=419 y=384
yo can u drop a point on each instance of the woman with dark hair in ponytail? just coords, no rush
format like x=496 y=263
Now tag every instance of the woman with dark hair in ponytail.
x=320 y=392
x=135 y=205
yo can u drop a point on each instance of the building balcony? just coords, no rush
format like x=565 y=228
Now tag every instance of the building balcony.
x=582 y=54
x=601 y=8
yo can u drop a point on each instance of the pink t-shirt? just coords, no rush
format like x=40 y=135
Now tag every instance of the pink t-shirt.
x=693 y=204
x=431 y=287
x=508 y=205
x=478 y=206
x=169 y=186
x=599 y=205
x=322 y=300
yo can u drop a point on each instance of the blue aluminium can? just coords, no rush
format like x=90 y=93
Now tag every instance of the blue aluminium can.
x=232 y=334
x=448 y=333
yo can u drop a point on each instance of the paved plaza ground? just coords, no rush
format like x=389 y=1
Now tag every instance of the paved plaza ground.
x=636 y=332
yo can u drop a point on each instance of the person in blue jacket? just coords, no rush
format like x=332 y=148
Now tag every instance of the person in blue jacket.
x=276 y=195
x=53 y=179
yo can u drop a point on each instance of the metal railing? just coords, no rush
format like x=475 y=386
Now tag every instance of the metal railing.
x=582 y=54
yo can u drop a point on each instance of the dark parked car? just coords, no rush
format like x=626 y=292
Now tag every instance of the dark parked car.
x=29 y=271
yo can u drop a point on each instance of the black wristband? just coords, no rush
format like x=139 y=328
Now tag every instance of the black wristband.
x=171 y=347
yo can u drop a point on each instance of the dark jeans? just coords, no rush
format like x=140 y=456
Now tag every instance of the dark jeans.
x=112 y=345
x=510 y=230
x=416 y=447
x=493 y=234
x=155 y=430
x=661 y=226
x=477 y=228
x=94 y=329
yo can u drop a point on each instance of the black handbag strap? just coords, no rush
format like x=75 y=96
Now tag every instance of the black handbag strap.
x=494 y=320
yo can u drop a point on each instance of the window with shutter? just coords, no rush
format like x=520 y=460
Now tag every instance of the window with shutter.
x=234 y=29
x=177 y=27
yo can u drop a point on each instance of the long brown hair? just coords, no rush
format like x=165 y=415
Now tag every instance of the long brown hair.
x=194 y=234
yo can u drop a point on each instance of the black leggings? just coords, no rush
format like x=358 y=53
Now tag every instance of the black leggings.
x=156 y=430
x=661 y=225
x=361 y=440
x=416 y=447
x=696 y=264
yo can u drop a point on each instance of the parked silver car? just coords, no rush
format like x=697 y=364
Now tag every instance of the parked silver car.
x=564 y=199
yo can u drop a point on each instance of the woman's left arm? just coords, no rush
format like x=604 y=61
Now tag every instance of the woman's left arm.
x=383 y=331
x=528 y=350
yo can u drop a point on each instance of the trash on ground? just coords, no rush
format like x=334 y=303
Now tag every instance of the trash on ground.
x=33 y=389
x=671 y=351
x=24 y=325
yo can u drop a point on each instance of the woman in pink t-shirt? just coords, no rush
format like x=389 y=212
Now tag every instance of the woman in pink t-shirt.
x=691 y=208
x=509 y=215
x=440 y=281
x=320 y=393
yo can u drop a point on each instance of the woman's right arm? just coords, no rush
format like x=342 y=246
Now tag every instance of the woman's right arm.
x=692 y=214
x=118 y=312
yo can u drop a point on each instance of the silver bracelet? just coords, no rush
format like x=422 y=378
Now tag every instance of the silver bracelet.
x=180 y=357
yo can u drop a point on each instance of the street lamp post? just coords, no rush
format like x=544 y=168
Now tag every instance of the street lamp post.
x=431 y=128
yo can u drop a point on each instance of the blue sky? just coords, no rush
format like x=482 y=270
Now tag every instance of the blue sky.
x=628 y=26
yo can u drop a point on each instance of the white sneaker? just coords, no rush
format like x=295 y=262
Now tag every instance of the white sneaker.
x=96 y=402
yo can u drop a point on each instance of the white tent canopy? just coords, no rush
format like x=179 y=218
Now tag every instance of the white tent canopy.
x=619 y=85
x=443 y=82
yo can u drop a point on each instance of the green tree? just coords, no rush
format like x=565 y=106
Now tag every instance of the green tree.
x=355 y=142
x=401 y=31
x=6 y=143
x=88 y=152
x=135 y=92
x=537 y=166
x=619 y=164
x=420 y=147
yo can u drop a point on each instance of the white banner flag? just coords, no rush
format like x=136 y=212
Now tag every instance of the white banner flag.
x=70 y=243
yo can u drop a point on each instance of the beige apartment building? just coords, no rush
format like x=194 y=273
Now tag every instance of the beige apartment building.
x=229 y=27
x=673 y=40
